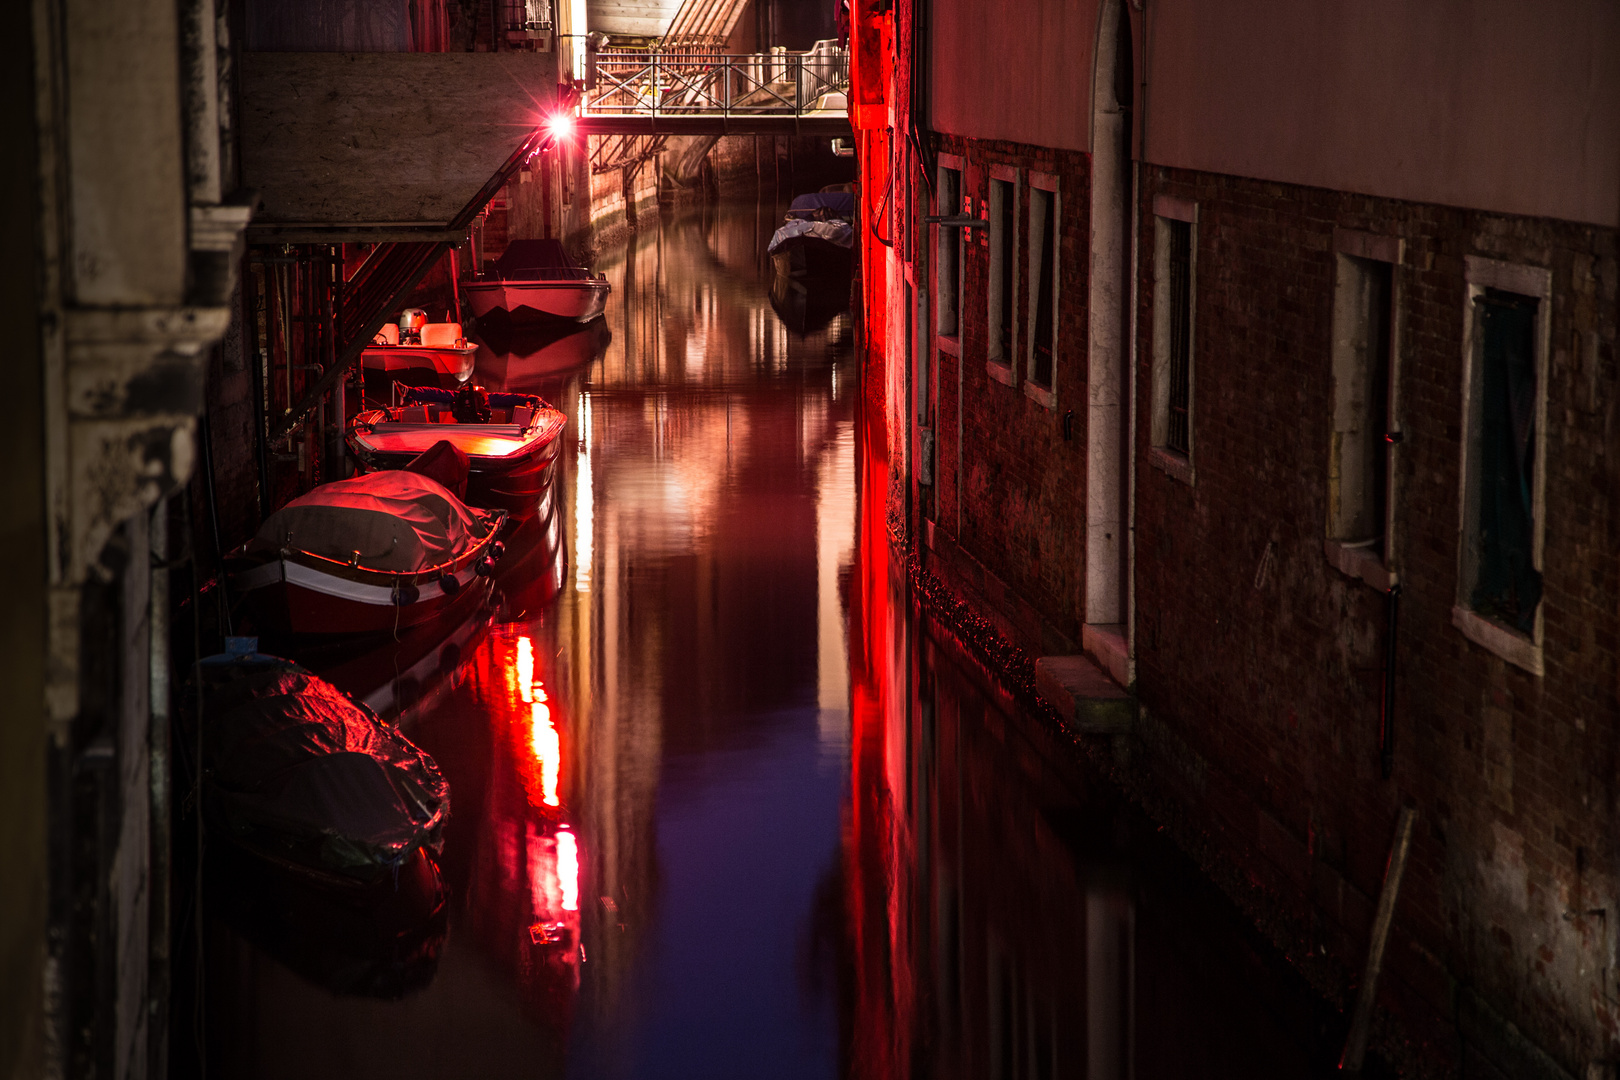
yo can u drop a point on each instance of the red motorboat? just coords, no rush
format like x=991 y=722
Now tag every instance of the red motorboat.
x=510 y=440
x=375 y=553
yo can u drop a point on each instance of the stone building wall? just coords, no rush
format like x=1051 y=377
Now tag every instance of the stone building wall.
x=1009 y=489
x=1265 y=660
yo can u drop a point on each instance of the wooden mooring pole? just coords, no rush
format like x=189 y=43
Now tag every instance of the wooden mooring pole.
x=1355 y=1047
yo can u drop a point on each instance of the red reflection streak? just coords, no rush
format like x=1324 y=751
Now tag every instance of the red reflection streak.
x=875 y=842
x=545 y=744
x=568 y=869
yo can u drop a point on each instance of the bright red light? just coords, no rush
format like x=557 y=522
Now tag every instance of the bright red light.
x=561 y=126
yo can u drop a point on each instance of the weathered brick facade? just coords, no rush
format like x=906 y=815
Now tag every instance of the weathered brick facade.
x=1010 y=488
x=1266 y=661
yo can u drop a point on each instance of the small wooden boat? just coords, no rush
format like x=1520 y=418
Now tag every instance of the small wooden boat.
x=534 y=281
x=417 y=353
x=816 y=238
x=510 y=440
x=375 y=553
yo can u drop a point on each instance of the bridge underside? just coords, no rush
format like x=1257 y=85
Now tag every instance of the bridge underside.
x=714 y=124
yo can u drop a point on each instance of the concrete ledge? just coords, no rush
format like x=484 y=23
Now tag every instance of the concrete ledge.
x=1084 y=694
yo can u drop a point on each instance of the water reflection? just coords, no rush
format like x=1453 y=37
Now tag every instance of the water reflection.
x=720 y=805
x=643 y=724
x=1010 y=917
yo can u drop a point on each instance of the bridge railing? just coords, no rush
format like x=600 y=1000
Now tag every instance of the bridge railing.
x=667 y=83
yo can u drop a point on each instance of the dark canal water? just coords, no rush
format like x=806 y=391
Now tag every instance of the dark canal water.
x=722 y=806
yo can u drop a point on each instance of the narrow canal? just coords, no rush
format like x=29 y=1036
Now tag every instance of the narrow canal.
x=722 y=805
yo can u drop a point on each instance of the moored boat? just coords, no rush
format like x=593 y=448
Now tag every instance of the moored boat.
x=374 y=553
x=534 y=281
x=417 y=353
x=510 y=440
x=816 y=238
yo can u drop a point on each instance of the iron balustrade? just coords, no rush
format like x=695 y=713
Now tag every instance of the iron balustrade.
x=636 y=83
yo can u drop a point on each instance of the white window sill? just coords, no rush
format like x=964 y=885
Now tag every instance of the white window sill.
x=1040 y=395
x=1356 y=561
x=1510 y=645
x=1172 y=465
x=1002 y=373
x=952 y=345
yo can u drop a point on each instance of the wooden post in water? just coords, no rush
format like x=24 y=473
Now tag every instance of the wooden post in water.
x=1355 y=1047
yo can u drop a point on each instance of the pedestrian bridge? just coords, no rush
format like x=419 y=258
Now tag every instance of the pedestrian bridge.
x=699 y=92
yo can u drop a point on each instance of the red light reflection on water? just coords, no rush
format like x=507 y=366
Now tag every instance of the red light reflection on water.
x=545 y=744
x=551 y=856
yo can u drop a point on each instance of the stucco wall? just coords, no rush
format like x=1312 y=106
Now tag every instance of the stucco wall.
x=1495 y=105
x=1015 y=72
x=383 y=137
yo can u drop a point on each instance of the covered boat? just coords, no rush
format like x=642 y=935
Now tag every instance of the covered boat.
x=816 y=238
x=417 y=353
x=510 y=440
x=374 y=553
x=534 y=281
x=301 y=776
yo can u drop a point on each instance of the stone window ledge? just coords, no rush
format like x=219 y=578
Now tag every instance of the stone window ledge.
x=1172 y=465
x=1510 y=645
x=1040 y=395
x=1002 y=373
x=952 y=345
x=1358 y=561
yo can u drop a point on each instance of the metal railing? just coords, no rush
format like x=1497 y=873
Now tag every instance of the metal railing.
x=625 y=82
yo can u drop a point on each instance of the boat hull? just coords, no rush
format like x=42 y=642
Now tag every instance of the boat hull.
x=535 y=302
x=446 y=367
x=291 y=597
x=808 y=257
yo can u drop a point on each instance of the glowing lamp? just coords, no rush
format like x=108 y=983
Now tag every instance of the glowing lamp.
x=560 y=125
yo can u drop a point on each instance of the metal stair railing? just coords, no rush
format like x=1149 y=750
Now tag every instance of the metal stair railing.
x=688 y=83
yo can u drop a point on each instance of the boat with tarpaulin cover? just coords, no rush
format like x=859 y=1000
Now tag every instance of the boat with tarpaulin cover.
x=816 y=238
x=371 y=554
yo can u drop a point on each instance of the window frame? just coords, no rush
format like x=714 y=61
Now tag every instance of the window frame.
x=1001 y=368
x=949 y=239
x=1174 y=463
x=1355 y=558
x=1040 y=181
x=1521 y=650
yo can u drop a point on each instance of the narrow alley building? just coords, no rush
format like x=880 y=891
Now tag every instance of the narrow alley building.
x=1266 y=361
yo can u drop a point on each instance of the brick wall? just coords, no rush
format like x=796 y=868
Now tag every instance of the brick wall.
x=1010 y=489
x=1265 y=662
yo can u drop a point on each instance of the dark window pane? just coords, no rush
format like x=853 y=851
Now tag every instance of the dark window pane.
x=1508 y=586
x=1180 y=284
x=1045 y=338
x=1004 y=329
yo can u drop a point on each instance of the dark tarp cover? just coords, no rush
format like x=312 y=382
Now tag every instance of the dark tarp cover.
x=445 y=462
x=390 y=520
x=298 y=771
x=826 y=204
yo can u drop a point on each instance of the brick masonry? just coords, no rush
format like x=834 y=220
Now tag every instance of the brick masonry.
x=1010 y=490
x=1266 y=661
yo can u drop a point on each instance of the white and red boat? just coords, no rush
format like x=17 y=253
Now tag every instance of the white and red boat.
x=417 y=353
x=510 y=440
x=534 y=281
x=375 y=553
